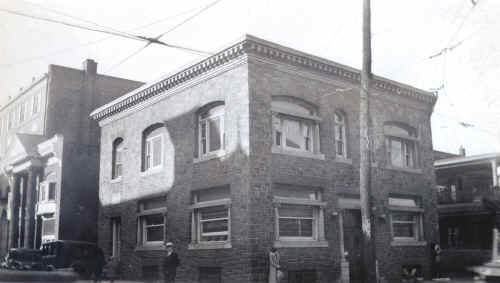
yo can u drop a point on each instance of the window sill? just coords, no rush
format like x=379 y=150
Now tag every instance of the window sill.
x=408 y=243
x=115 y=180
x=343 y=159
x=305 y=154
x=151 y=247
x=209 y=246
x=300 y=244
x=152 y=171
x=405 y=169
x=210 y=156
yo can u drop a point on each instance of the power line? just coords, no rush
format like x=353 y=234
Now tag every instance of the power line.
x=125 y=35
x=27 y=60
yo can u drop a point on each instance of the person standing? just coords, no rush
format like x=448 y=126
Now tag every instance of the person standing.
x=170 y=263
x=274 y=265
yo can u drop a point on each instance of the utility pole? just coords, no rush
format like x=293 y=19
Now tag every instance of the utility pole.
x=369 y=257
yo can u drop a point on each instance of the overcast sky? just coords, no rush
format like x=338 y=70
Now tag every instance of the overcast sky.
x=405 y=34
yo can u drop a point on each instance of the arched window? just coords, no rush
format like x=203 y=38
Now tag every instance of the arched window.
x=295 y=125
x=340 y=134
x=211 y=134
x=152 y=147
x=117 y=159
x=401 y=144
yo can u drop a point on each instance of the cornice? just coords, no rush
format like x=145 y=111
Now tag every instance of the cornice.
x=261 y=48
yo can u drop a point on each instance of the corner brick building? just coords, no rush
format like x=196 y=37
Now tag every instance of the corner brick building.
x=258 y=146
x=49 y=156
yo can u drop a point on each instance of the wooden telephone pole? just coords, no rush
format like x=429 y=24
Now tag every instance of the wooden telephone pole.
x=369 y=257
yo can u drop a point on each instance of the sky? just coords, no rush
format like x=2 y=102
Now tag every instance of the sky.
x=405 y=33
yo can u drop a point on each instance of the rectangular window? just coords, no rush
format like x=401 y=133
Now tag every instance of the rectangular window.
x=209 y=275
x=294 y=134
x=154 y=152
x=406 y=219
x=118 y=162
x=211 y=215
x=36 y=103
x=211 y=132
x=401 y=152
x=299 y=215
x=48 y=226
x=52 y=191
x=115 y=236
x=151 y=218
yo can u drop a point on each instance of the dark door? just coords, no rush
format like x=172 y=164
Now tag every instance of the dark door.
x=353 y=243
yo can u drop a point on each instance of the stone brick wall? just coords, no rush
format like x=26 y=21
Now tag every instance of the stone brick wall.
x=252 y=170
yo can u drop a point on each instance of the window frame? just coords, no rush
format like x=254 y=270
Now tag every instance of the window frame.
x=142 y=215
x=343 y=126
x=149 y=145
x=197 y=209
x=414 y=210
x=318 y=229
x=44 y=191
x=117 y=159
x=116 y=230
x=213 y=113
x=408 y=145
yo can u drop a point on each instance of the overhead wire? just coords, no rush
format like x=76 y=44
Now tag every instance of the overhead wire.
x=30 y=59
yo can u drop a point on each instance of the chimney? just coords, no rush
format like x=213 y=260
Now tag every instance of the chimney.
x=90 y=67
x=461 y=151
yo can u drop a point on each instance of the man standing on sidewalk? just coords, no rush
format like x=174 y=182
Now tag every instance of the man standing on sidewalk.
x=170 y=263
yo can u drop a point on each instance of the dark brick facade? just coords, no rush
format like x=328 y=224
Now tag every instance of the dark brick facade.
x=247 y=84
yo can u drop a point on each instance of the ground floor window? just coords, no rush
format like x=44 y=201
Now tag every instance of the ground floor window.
x=406 y=218
x=211 y=221
x=115 y=236
x=151 y=221
x=299 y=213
x=48 y=228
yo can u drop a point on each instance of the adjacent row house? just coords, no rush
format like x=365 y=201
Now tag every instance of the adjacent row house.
x=49 y=156
x=256 y=147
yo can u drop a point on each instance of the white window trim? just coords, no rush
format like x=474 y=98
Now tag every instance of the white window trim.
x=313 y=136
x=150 y=140
x=337 y=139
x=51 y=236
x=196 y=234
x=214 y=153
x=404 y=151
x=318 y=222
x=141 y=232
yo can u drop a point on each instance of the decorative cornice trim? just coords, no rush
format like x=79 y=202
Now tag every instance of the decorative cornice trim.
x=260 y=48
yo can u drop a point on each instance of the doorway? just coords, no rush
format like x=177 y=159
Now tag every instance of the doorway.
x=353 y=243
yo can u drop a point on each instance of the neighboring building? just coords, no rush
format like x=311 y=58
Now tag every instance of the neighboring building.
x=465 y=223
x=49 y=156
x=258 y=146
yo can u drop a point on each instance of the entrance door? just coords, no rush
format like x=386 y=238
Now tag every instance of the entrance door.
x=353 y=243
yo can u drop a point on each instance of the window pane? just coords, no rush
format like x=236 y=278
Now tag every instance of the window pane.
x=289 y=227
x=214 y=212
x=154 y=233
x=296 y=211
x=306 y=227
x=147 y=160
x=213 y=194
x=215 y=134
x=214 y=226
x=211 y=238
x=294 y=138
x=203 y=138
x=403 y=230
x=157 y=148
x=156 y=219
x=52 y=191
x=410 y=151
x=396 y=148
x=48 y=227
x=402 y=202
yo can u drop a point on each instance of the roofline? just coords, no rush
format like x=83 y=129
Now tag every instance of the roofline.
x=464 y=160
x=251 y=45
x=24 y=91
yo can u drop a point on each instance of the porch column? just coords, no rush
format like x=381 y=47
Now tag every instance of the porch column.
x=22 y=212
x=14 y=213
x=494 y=174
x=37 y=197
x=29 y=216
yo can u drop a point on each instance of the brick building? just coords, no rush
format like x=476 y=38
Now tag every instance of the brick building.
x=49 y=156
x=257 y=146
x=465 y=221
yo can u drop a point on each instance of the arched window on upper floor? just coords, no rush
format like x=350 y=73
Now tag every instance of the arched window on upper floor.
x=401 y=144
x=295 y=126
x=152 y=147
x=211 y=136
x=117 y=159
x=340 y=131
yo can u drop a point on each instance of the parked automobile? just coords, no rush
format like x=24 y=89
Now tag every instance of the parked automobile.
x=25 y=259
x=85 y=258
